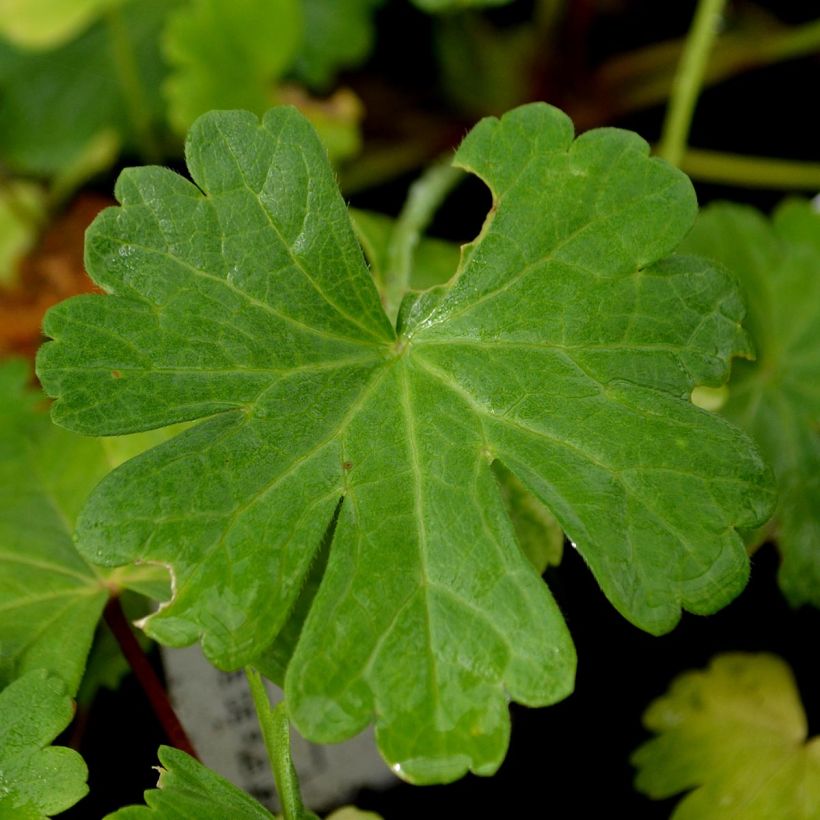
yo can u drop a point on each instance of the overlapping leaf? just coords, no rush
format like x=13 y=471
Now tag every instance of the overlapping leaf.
x=777 y=397
x=563 y=348
x=735 y=735
x=37 y=780
x=50 y=598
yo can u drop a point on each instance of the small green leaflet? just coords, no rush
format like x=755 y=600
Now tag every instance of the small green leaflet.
x=777 y=397
x=37 y=780
x=187 y=789
x=562 y=347
x=734 y=736
x=50 y=598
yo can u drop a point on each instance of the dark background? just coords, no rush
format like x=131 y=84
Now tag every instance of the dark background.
x=571 y=759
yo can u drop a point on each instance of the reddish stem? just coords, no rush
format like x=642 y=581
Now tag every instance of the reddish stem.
x=147 y=677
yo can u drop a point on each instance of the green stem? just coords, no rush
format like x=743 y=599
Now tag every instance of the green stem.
x=129 y=79
x=423 y=200
x=751 y=172
x=276 y=734
x=688 y=79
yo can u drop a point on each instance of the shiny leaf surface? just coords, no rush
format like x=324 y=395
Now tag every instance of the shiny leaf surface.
x=566 y=348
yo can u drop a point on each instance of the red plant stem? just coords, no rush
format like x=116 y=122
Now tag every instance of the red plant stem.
x=147 y=677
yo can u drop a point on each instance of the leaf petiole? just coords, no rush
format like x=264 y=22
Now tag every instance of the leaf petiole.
x=688 y=80
x=276 y=734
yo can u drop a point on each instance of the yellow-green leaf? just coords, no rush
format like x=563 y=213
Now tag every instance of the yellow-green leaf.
x=734 y=736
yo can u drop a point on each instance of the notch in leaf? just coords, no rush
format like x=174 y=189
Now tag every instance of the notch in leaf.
x=565 y=346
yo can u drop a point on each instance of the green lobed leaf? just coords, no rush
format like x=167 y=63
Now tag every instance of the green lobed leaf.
x=228 y=54
x=734 y=736
x=50 y=598
x=55 y=105
x=187 y=789
x=566 y=348
x=44 y=24
x=777 y=397
x=336 y=35
x=37 y=780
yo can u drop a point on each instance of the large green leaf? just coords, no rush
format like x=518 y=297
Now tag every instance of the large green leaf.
x=563 y=348
x=37 y=780
x=228 y=54
x=734 y=734
x=54 y=105
x=187 y=789
x=777 y=397
x=50 y=598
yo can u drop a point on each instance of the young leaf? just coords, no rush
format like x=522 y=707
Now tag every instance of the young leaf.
x=336 y=35
x=51 y=598
x=734 y=736
x=187 y=789
x=48 y=23
x=55 y=105
x=37 y=780
x=777 y=397
x=228 y=54
x=563 y=348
